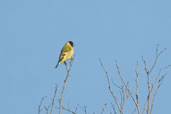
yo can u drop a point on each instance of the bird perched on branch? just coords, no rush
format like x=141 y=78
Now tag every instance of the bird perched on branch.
x=66 y=53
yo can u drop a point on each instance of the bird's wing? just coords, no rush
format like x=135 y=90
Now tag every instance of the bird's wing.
x=63 y=54
x=65 y=49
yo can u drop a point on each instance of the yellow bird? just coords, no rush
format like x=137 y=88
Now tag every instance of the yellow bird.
x=66 y=53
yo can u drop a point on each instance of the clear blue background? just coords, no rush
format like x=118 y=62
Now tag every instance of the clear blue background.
x=32 y=33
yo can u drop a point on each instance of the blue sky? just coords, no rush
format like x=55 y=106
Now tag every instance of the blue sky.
x=34 y=31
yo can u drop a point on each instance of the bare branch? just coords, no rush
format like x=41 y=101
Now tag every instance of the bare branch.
x=145 y=105
x=75 y=110
x=145 y=65
x=148 y=84
x=47 y=109
x=123 y=94
x=69 y=110
x=121 y=78
x=159 y=82
x=137 y=82
x=109 y=86
x=125 y=90
x=154 y=96
x=113 y=107
x=150 y=89
x=39 y=107
x=157 y=78
x=65 y=82
x=53 y=99
x=84 y=109
x=116 y=85
x=156 y=58
x=124 y=97
x=103 y=108
x=165 y=67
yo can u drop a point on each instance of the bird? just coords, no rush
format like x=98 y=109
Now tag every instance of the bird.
x=66 y=53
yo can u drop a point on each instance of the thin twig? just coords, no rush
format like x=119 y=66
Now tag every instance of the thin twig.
x=137 y=82
x=39 y=107
x=150 y=89
x=109 y=86
x=47 y=109
x=75 y=110
x=137 y=89
x=157 y=56
x=116 y=85
x=65 y=82
x=153 y=65
x=154 y=96
x=122 y=94
x=148 y=84
x=84 y=109
x=145 y=104
x=121 y=78
x=53 y=99
x=122 y=98
x=159 y=84
x=113 y=107
x=103 y=108
x=69 y=110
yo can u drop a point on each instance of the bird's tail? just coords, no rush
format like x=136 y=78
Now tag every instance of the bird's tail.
x=56 y=65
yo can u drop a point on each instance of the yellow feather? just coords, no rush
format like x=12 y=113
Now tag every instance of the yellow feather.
x=66 y=53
